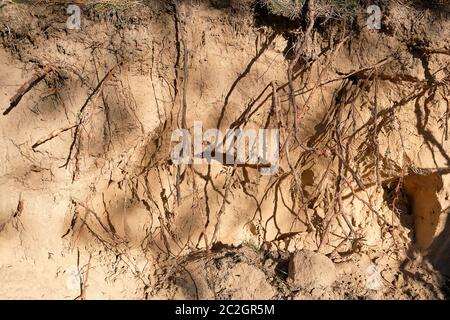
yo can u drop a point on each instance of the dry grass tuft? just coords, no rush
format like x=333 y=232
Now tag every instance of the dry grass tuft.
x=329 y=9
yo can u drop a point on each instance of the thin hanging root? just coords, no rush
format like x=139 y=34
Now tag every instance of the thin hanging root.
x=299 y=48
x=434 y=51
x=375 y=133
x=52 y=135
x=221 y=212
x=368 y=205
x=84 y=276
x=27 y=86
x=80 y=117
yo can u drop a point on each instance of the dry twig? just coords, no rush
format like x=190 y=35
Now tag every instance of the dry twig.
x=27 y=86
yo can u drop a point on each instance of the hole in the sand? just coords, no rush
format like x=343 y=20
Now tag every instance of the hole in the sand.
x=414 y=199
x=308 y=177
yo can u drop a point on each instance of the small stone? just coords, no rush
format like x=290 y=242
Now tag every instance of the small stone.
x=309 y=270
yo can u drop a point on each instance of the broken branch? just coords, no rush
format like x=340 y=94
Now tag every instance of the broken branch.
x=27 y=86
x=52 y=135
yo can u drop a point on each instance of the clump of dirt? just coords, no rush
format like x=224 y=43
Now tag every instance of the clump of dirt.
x=246 y=273
x=229 y=274
x=92 y=200
x=309 y=270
